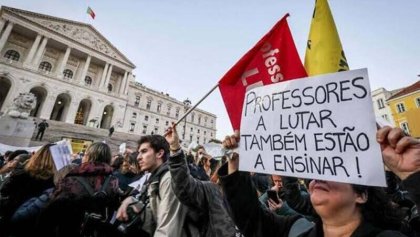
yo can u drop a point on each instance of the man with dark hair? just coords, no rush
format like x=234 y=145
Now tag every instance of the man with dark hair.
x=41 y=129
x=167 y=213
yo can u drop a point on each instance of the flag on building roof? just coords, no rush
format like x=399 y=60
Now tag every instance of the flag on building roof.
x=273 y=59
x=91 y=12
x=324 y=53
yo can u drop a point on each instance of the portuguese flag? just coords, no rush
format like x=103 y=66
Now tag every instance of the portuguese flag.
x=90 y=12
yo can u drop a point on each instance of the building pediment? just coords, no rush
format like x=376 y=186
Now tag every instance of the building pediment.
x=82 y=33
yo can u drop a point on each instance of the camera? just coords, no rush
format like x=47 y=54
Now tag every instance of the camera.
x=134 y=219
x=92 y=222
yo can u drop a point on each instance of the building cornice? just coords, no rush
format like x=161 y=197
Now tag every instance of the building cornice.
x=12 y=15
x=164 y=96
x=403 y=96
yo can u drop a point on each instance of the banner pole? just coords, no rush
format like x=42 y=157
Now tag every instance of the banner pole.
x=192 y=108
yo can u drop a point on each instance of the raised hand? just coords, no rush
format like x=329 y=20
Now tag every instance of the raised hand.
x=172 y=138
x=401 y=153
x=232 y=142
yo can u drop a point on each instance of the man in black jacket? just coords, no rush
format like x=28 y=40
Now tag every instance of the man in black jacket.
x=41 y=129
x=202 y=197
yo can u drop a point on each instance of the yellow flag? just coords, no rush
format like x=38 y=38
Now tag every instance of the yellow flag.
x=324 y=53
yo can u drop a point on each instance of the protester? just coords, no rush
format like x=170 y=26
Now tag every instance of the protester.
x=88 y=188
x=167 y=214
x=128 y=172
x=27 y=214
x=277 y=205
x=41 y=129
x=26 y=182
x=343 y=209
x=1 y=160
x=205 y=198
x=10 y=162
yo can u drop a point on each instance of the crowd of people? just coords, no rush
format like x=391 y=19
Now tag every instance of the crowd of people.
x=161 y=190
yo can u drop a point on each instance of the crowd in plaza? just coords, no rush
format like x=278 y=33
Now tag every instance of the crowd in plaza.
x=159 y=189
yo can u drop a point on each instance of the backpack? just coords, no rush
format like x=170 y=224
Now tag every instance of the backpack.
x=96 y=219
x=30 y=209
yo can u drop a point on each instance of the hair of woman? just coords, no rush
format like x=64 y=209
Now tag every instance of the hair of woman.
x=378 y=210
x=41 y=164
x=99 y=152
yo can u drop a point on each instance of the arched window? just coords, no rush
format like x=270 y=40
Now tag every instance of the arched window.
x=68 y=74
x=45 y=66
x=12 y=55
x=88 y=80
x=109 y=87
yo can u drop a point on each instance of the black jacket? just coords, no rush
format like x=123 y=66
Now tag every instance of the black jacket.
x=253 y=220
x=203 y=197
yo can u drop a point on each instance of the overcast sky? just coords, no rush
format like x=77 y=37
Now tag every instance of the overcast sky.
x=184 y=47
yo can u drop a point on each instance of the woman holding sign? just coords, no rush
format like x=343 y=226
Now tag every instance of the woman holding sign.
x=343 y=209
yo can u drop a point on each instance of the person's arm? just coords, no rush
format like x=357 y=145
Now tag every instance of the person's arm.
x=248 y=214
x=401 y=154
x=189 y=191
x=171 y=213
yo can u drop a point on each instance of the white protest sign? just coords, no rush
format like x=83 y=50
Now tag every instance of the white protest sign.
x=321 y=127
x=122 y=148
x=61 y=154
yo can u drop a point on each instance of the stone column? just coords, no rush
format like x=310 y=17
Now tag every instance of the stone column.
x=63 y=62
x=2 y=22
x=85 y=70
x=124 y=81
x=40 y=52
x=32 y=51
x=96 y=111
x=72 y=111
x=47 y=107
x=5 y=35
x=127 y=85
x=103 y=76
x=108 y=77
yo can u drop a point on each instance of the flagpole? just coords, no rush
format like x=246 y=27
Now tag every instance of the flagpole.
x=192 y=108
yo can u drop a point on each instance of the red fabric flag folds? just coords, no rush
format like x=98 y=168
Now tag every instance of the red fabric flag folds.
x=273 y=59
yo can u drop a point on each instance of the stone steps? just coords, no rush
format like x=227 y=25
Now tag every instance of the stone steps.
x=59 y=130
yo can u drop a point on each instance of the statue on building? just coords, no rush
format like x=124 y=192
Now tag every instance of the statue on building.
x=22 y=105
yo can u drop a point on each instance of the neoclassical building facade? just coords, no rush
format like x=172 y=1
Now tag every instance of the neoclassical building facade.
x=79 y=77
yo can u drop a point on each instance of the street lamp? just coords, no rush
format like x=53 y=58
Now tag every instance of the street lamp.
x=187 y=104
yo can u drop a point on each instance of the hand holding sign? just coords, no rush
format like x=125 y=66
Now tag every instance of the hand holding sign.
x=401 y=153
x=172 y=138
x=232 y=142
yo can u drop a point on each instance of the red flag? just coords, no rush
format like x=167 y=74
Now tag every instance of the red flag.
x=273 y=59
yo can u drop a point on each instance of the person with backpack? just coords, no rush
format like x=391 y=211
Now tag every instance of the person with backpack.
x=25 y=181
x=164 y=213
x=87 y=192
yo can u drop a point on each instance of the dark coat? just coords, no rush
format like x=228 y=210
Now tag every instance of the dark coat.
x=253 y=220
x=69 y=202
x=18 y=188
x=202 y=197
x=125 y=179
